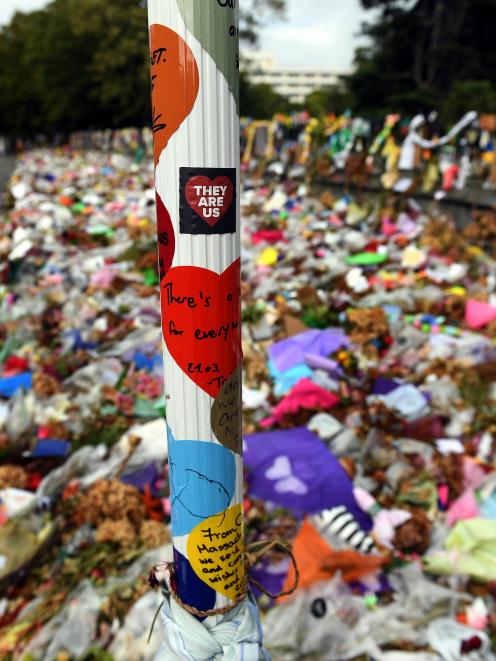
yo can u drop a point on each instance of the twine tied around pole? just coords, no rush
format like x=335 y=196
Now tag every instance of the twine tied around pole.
x=253 y=553
x=252 y=556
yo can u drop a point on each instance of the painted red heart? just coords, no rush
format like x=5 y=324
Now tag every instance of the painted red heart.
x=201 y=323
x=165 y=238
x=209 y=205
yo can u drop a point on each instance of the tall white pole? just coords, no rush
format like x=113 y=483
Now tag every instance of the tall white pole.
x=195 y=76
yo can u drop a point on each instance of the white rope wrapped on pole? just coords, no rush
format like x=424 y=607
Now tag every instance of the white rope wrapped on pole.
x=208 y=612
x=237 y=637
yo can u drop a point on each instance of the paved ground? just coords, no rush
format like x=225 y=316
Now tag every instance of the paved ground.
x=459 y=204
x=6 y=167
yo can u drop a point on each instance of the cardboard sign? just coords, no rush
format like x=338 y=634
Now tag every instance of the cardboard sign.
x=207 y=201
x=201 y=319
x=488 y=122
x=261 y=141
x=226 y=417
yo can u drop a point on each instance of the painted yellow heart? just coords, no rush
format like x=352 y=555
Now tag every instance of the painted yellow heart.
x=215 y=551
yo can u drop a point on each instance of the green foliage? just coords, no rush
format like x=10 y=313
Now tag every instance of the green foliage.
x=319 y=316
x=260 y=101
x=107 y=430
x=474 y=391
x=420 y=50
x=331 y=100
x=252 y=313
x=469 y=94
x=75 y=64
x=96 y=654
x=253 y=15
x=78 y=64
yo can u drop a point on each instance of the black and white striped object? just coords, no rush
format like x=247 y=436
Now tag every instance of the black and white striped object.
x=339 y=524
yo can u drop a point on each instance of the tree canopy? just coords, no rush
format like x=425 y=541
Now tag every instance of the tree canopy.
x=260 y=101
x=335 y=100
x=78 y=64
x=423 y=52
x=255 y=13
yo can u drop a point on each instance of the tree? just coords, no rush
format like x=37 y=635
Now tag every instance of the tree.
x=79 y=64
x=260 y=101
x=254 y=13
x=419 y=49
x=469 y=94
x=75 y=64
x=335 y=100
x=19 y=100
x=119 y=67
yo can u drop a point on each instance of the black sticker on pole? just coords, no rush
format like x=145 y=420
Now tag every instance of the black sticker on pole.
x=207 y=203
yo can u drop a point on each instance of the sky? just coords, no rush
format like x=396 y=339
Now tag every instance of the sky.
x=8 y=7
x=320 y=34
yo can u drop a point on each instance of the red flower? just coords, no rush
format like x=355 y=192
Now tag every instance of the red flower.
x=470 y=645
x=70 y=490
x=34 y=480
x=153 y=505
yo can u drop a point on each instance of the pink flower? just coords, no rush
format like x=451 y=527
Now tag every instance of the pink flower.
x=125 y=404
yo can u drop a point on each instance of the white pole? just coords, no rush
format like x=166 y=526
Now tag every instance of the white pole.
x=194 y=70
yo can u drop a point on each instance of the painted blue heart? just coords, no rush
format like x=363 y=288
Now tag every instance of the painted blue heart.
x=202 y=481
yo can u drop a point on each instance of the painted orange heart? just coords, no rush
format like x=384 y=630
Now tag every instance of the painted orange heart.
x=175 y=84
x=201 y=320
